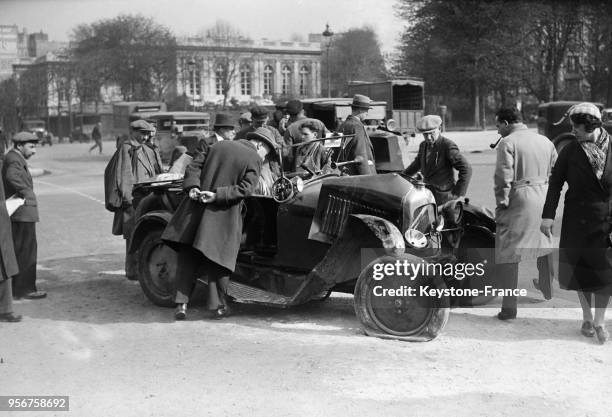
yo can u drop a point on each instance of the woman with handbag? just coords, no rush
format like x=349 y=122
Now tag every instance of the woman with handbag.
x=584 y=249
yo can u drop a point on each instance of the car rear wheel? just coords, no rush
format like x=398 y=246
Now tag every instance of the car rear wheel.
x=562 y=140
x=157 y=264
x=393 y=307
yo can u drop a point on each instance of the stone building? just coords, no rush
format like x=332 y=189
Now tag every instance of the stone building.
x=248 y=69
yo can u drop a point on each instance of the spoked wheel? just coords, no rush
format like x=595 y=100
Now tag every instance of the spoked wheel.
x=157 y=265
x=477 y=246
x=393 y=307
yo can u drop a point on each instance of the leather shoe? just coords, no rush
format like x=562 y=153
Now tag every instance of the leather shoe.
x=10 y=317
x=507 y=314
x=36 y=295
x=587 y=329
x=221 y=312
x=602 y=334
x=180 y=312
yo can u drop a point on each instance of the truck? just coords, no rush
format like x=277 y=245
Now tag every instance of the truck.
x=405 y=98
x=125 y=112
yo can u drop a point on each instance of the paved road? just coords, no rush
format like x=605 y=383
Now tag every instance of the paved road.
x=99 y=340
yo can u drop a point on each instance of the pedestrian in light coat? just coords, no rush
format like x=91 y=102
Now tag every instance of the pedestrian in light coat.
x=524 y=162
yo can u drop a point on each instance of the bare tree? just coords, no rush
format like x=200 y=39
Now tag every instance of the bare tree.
x=227 y=59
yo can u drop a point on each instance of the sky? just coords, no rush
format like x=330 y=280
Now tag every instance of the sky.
x=272 y=19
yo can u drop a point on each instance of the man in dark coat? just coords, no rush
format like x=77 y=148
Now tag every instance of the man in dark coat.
x=8 y=262
x=206 y=229
x=436 y=159
x=17 y=180
x=137 y=162
x=357 y=147
x=96 y=135
x=223 y=130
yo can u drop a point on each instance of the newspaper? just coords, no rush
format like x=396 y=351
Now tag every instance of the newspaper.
x=13 y=203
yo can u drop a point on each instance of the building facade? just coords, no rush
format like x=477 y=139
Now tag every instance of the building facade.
x=246 y=70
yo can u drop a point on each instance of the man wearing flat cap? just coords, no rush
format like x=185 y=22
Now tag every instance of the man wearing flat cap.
x=293 y=134
x=18 y=181
x=136 y=163
x=436 y=159
x=358 y=147
x=206 y=229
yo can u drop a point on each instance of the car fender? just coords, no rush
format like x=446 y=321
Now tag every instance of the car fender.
x=348 y=254
x=145 y=223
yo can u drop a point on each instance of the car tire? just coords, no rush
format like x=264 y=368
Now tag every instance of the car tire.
x=412 y=318
x=157 y=264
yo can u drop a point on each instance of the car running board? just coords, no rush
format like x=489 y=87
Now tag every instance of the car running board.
x=246 y=294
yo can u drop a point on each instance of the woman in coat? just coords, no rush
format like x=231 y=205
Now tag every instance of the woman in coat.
x=584 y=265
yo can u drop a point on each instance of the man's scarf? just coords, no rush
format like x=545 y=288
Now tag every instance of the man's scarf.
x=597 y=152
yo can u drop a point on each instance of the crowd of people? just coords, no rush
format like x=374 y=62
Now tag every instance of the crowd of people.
x=228 y=166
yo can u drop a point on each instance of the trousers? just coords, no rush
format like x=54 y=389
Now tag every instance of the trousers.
x=26 y=249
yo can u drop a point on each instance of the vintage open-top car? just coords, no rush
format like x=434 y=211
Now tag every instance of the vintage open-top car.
x=325 y=232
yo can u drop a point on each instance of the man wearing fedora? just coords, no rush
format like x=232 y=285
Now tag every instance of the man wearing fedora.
x=437 y=158
x=357 y=147
x=223 y=130
x=206 y=229
x=18 y=181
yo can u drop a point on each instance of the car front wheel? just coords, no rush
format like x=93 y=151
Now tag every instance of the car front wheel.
x=157 y=264
x=394 y=306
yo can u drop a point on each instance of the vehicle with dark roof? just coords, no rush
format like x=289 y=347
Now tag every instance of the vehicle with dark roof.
x=328 y=232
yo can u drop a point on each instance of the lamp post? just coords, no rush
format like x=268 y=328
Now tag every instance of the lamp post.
x=192 y=65
x=327 y=33
x=131 y=69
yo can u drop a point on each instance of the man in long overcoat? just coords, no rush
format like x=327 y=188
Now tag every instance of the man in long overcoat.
x=17 y=180
x=206 y=229
x=358 y=146
x=437 y=159
x=137 y=162
x=8 y=262
x=524 y=162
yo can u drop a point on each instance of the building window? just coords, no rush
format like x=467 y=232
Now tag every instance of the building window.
x=195 y=83
x=245 y=81
x=286 y=85
x=219 y=75
x=304 y=81
x=268 y=80
x=573 y=64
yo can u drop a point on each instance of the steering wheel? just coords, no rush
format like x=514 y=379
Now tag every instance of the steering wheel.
x=282 y=190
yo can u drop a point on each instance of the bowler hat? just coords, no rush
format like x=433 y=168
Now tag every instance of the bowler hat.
x=23 y=137
x=263 y=135
x=223 y=120
x=429 y=123
x=259 y=113
x=361 y=102
x=294 y=107
x=142 y=126
x=585 y=108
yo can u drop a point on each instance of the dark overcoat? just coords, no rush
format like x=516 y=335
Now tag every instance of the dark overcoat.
x=358 y=145
x=437 y=166
x=17 y=180
x=583 y=261
x=231 y=170
x=7 y=250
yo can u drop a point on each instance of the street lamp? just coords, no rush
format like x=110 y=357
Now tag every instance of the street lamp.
x=192 y=65
x=131 y=69
x=327 y=33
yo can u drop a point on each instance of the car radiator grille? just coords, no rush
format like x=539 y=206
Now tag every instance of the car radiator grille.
x=337 y=212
